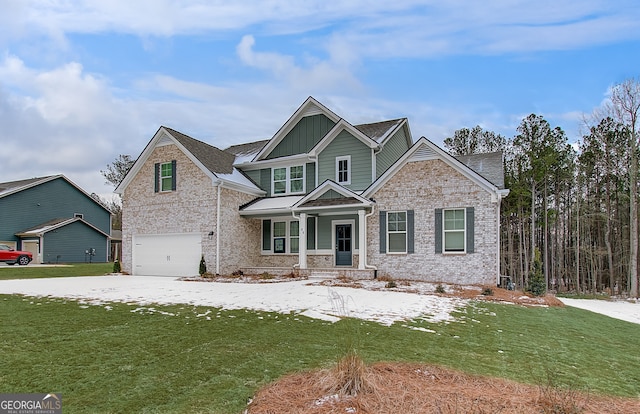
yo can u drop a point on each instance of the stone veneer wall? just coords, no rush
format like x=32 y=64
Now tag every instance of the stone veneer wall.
x=424 y=186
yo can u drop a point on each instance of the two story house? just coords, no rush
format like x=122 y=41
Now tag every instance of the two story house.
x=55 y=220
x=322 y=196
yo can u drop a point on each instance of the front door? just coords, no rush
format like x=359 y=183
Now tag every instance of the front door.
x=343 y=244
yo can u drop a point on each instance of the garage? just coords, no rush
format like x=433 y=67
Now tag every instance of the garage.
x=167 y=254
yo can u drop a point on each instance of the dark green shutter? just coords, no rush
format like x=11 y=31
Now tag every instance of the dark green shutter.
x=266 y=234
x=410 y=231
x=156 y=184
x=383 y=231
x=311 y=233
x=265 y=180
x=310 y=177
x=470 y=229
x=438 y=230
x=173 y=175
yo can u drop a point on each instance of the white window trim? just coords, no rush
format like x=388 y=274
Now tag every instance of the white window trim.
x=288 y=180
x=161 y=177
x=287 y=236
x=406 y=232
x=348 y=159
x=464 y=232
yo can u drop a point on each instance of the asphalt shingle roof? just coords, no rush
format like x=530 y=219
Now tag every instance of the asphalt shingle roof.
x=214 y=159
x=378 y=130
x=489 y=165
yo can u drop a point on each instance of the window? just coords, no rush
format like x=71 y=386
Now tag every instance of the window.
x=279 y=180
x=397 y=231
x=296 y=179
x=343 y=169
x=165 y=176
x=288 y=180
x=78 y=215
x=294 y=235
x=454 y=230
x=285 y=236
x=279 y=237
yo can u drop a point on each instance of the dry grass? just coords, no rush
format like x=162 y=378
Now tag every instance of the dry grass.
x=415 y=388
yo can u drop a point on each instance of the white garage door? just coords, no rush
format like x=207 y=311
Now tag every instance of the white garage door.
x=167 y=254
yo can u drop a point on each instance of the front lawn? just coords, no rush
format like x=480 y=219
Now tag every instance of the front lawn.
x=130 y=358
x=35 y=272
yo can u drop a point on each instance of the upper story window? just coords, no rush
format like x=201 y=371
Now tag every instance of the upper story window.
x=343 y=169
x=165 y=176
x=454 y=230
x=288 y=180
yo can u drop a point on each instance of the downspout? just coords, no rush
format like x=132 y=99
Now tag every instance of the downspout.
x=296 y=265
x=218 y=228
x=366 y=266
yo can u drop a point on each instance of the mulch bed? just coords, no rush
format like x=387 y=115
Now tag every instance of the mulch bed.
x=417 y=388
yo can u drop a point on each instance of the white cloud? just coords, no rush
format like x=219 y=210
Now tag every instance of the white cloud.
x=316 y=74
x=403 y=28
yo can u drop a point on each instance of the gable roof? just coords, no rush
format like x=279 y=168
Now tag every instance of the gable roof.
x=342 y=125
x=13 y=187
x=40 y=229
x=423 y=150
x=214 y=162
x=314 y=201
x=309 y=107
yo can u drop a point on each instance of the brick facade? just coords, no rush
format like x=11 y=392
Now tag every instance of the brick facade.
x=424 y=186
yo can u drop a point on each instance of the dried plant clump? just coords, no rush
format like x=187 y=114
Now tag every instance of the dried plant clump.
x=417 y=388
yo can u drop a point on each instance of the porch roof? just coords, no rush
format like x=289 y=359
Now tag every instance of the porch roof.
x=269 y=205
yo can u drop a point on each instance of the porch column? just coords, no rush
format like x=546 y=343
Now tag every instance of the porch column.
x=362 y=240
x=302 y=241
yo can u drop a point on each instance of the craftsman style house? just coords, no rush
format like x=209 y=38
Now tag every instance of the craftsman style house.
x=321 y=197
x=55 y=220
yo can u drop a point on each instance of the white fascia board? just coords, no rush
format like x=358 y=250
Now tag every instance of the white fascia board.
x=291 y=122
x=146 y=153
x=329 y=185
x=274 y=162
x=142 y=158
x=232 y=185
x=443 y=156
x=333 y=133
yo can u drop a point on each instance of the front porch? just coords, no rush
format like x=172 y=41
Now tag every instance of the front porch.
x=316 y=273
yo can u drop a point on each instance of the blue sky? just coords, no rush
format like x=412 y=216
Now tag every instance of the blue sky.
x=84 y=81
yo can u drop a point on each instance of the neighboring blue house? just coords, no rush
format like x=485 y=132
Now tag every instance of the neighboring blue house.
x=55 y=220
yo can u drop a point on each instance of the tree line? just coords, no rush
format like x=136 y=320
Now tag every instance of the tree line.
x=572 y=207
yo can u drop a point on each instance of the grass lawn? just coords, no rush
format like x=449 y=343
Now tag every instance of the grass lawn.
x=76 y=269
x=127 y=358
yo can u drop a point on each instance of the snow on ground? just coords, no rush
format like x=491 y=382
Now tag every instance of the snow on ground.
x=319 y=302
x=624 y=310
x=301 y=297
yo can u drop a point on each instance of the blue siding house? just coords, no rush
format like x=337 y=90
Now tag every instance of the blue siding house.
x=55 y=220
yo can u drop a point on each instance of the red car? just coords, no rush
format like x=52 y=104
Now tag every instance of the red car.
x=11 y=256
